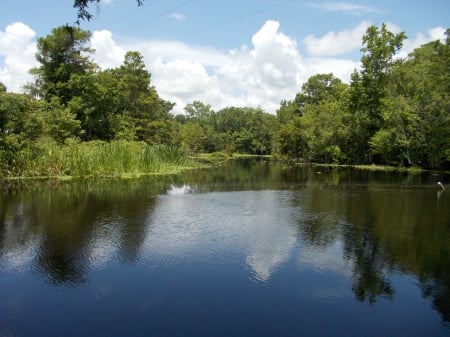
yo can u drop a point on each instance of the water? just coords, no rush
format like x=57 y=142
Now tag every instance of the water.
x=250 y=249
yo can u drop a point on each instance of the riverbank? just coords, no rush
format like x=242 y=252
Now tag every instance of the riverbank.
x=129 y=159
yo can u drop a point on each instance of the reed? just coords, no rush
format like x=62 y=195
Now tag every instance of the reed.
x=97 y=158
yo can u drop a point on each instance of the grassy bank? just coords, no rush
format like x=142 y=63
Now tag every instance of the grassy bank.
x=374 y=167
x=99 y=159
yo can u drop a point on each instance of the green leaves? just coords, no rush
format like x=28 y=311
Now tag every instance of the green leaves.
x=394 y=111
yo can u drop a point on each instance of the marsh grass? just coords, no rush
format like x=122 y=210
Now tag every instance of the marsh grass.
x=100 y=159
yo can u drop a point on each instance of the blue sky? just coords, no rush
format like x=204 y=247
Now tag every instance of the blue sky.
x=223 y=53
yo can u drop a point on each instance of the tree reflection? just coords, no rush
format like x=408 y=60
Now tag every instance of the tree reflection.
x=386 y=222
x=74 y=222
x=370 y=272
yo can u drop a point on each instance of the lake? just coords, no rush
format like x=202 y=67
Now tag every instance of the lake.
x=253 y=248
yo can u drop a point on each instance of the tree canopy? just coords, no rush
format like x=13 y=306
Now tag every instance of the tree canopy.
x=394 y=111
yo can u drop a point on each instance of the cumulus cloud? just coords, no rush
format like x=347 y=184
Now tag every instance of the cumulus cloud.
x=337 y=43
x=107 y=53
x=437 y=33
x=340 y=68
x=18 y=49
x=269 y=70
x=262 y=75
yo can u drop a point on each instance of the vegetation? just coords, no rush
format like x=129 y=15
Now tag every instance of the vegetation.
x=98 y=158
x=393 y=112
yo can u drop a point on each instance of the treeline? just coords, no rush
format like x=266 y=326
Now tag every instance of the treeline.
x=394 y=111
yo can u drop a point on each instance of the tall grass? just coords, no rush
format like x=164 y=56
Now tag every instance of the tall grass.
x=108 y=159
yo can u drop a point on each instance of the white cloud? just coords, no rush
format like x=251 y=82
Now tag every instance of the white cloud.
x=354 y=9
x=337 y=43
x=107 y=53
x=262 y=74
x=18 y=49
x=177 y=16
x=270 y=71
x=437 y=33
x=341 y=68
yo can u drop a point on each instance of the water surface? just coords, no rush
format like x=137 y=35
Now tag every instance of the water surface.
x=250 y=249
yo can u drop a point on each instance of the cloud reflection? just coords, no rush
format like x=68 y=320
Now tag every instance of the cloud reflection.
x=253 y=223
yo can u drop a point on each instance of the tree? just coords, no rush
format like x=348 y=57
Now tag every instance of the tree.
x=21 y=124
x=261 y=127
x=247 y=130
x=287 y=111
x=200 y=128
x=318 y=129
x=416 y=118
x=199 y=110
x=369 y=88
x=61 y=123
x=140 y=101
x=192 y=137
x=319 y=88
x=62 y=54
x=291 y=141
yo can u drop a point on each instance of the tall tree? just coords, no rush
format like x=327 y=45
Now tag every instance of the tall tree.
x=139 y=100
x=369 y=87
x=61 y=54
x=416 y=111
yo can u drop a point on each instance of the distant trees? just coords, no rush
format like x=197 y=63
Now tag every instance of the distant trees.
x=246 y=130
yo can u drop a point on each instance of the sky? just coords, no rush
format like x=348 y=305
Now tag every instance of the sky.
x=252 y=53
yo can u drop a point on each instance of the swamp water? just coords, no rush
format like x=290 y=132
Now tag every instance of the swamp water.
x=249 y=249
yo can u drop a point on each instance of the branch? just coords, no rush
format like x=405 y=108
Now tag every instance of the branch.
x=83 y=8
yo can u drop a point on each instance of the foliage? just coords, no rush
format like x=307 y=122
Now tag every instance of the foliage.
x=395 y=111
x=117 y=103
x=368 y=89
x=245 y=130
x=62 y=54
x=21 y=123
x=315 y=131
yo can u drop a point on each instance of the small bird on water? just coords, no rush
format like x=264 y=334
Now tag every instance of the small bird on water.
x=441 y=185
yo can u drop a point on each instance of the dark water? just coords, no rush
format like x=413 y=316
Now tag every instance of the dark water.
x=250 y=249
